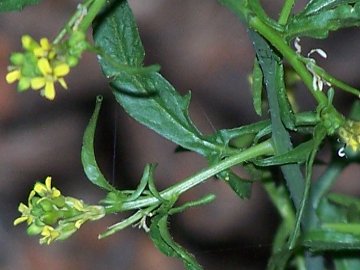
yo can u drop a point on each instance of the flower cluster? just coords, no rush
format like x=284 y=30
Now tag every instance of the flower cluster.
x=350 y=134
x=42 y=64
x=54 y=216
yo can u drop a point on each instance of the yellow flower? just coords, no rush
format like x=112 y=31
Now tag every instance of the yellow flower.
x=47 y=190
x=44 y=49
x=350 y=134
x=75 y=203
x=25 y=211
x=50 y=76
x=49 y=234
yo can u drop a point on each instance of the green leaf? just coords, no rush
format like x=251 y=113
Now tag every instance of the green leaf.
x=236 y=134
x=279 y=259
x=160 y=235
x=327 y=240
x=240 y=186
x=270 y=65
x=318 y=24
x=297 y=155
x=344 y=200
x=88 y=160
x=256 y=87
x=351 y=228
x=347 y=262
x=286 y=111
x=315 y=6
x=199 y=202
x=15 y=5
x=147 y=97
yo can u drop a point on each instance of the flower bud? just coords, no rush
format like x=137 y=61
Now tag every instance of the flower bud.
x=17 y=59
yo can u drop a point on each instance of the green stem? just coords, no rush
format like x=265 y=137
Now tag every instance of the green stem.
x=92 y=12
x=333 y=81
x=283 y=204
x=71 y=22
x=264 y=148
x=286 y=11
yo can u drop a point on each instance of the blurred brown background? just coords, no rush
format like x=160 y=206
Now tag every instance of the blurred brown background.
x=201 y=47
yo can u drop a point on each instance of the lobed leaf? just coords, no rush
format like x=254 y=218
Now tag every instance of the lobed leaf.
x=16 y=5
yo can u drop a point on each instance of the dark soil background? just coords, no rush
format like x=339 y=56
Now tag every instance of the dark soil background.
x=201 y=47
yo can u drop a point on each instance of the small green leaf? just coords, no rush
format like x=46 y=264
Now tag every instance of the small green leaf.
x=279 y=259
x=347 y=262
x=160 y=235
x=299 y=154
x=16 y=5
x=88 y=160
x=148 y=170
x=355 y=111
x=241 y=187
x=199 y=202
x=324 y=240
x=256 y=87
x=318 y=24
x=147 y=97
x=351 y=228
x=315 y=6
x=286 y=111
x=225 y=135
x=344 y=200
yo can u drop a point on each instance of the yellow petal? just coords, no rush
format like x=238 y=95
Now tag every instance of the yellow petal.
x=31 y=195
x=39 y=52
x=48 y=183
x=12 y=76
x=22 y=208
x=79 y=223
x=44 y=43
x=40 y=189
x=38 y=83
x=61 y=70
x=49 y=233
x=44 y=66
x=55 y=192
x=62 y=83
x=28 y=42
x=49 y=91
x=20 y=220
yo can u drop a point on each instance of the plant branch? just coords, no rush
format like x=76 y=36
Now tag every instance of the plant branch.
x=264 y=148
x=286 y=11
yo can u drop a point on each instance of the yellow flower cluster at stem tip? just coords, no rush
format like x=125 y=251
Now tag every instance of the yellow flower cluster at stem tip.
x=40 y=66
x=54 y=216
x=350 y=134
